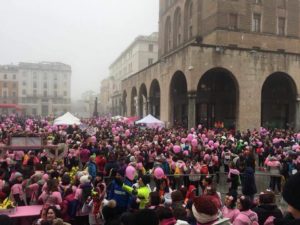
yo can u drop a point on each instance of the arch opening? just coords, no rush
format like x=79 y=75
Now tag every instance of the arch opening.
x=143 y=101
x=278 y=101
x=217 y=99
x=179 y=100
x=154 y=100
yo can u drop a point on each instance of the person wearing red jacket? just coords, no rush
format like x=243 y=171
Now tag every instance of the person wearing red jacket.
x=100 y=162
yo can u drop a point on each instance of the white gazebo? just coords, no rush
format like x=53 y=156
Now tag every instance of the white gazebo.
x=67 y=119
x=151 y=121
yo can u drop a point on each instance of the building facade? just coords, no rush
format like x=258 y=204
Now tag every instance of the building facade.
x=9 y=89
x=37 y=88
x=141 y=53
x=105 y=96
x=232 y=61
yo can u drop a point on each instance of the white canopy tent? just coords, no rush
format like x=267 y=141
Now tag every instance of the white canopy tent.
x=151 y=121
x=67 y=119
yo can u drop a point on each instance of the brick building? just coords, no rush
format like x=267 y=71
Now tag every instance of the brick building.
x=234 y=61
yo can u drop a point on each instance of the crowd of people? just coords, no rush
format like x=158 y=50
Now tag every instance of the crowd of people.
x=117 y=173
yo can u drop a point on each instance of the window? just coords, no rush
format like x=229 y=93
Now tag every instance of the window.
x=150 y=61
x=34 y=93
x=65 y=93
x=257 y=1
x=4 y=84
x=55 y=76
x=55 y=85
x=24 y=92
x=4 y=94
x=14 y=94
x=256 y=23
x=24 y=83
x=233 y=21
x=34 y=111
x=55 y=93
x=45 y=93
x=14 y=85
x=45 y=85
x=14 y=76
x=150 y=47
x=281 y=26
x=34 y=85
x=5 y=76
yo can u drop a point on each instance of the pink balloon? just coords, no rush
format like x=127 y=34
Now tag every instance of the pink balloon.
x=159 y=173
x=210 y=143
x=93 y=139
x=127 y=133
x=130 y=172
x=190 y=137
x=205 y=140
x=216 y=145
x=259 y=143
x=117 y=139
x=194 y=142
x=182 y=140
x=176 y=149
x=186 y=152
x=295 y=147
x=298 y=136
x=199 y=126
x=275 y=140
x=203 y=135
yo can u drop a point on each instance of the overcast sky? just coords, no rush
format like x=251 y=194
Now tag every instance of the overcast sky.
x=86 y=34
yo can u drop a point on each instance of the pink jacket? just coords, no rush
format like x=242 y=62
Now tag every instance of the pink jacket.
x=230 y=213
x=245 y=218
x=233 y=171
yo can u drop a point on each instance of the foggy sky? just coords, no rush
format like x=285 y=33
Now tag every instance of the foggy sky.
x=86 y=34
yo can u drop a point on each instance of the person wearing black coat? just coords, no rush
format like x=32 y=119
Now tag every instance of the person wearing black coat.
x=267 y=207
x=291 y=195
x=248 y=182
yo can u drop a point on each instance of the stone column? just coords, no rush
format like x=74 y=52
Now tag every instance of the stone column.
x=297 y=114
x=192 y=96
x=249 y=105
